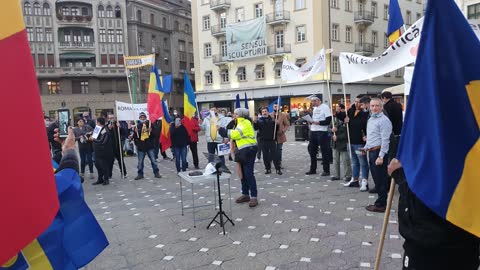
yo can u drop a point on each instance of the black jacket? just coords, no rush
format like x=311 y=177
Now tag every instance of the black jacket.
x=156 y=128
x=179 y=136
x=145 y=145
x=266 y=128
x=357 y=125
x=395 y=113
x=102 y=146
x=56 y=147
x=116 y=136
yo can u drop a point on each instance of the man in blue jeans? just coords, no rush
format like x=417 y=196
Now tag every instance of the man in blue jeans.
x=379 y=129
x=144 y=143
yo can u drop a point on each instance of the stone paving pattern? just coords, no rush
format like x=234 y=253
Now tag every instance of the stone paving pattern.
x=302 y=222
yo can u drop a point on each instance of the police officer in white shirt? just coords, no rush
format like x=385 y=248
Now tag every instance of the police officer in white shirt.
x=321 y=119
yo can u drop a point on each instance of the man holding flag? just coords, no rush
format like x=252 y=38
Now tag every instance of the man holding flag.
x=439 y=151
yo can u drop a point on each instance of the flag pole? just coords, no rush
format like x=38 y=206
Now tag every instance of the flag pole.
x=385 y=224
x=348 y=129
x=127 y=73
x=276 y=115
x=327 y=75
x=120 y=143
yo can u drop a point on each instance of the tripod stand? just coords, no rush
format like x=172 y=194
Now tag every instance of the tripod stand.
x=220 y=214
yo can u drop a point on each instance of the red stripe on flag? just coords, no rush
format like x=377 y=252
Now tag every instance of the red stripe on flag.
x=28 y=196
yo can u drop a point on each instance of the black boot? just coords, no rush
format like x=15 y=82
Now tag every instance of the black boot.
x=99 y=182
x=279 y=172
x=106 y=182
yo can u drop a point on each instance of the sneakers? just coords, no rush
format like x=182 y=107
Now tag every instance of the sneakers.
x=334 y=178
x=253 y=203
x=139 y=177
x=99 y=182
x=352 y=183
x=364 y=185
x=374 y=208
x=157 y=175
x=243 y=199
x=310 y=173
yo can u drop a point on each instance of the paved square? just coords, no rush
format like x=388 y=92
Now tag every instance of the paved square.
x=301 y=222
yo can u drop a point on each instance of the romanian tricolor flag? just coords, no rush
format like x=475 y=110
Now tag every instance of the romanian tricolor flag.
x=440 y=150
x=155 y=96
x=395 y=21
x=28 y=196
x=189 y=104
x=165 y=132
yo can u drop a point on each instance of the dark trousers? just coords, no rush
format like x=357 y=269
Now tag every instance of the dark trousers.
x=249 y=183
x=102 y=164
x=156 y=146
x=259 y=151
x=85 y=159
x=193 y=148
x=123 y=169
x=380 y=177
x=278 y=152
x=319 y=138
x=212 y=149
x=269 y=150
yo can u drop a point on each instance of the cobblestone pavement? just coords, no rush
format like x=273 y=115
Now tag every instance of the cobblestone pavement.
x=302 y=222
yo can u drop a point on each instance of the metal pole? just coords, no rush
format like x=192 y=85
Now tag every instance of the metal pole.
x=348 y=129
x=385 y=224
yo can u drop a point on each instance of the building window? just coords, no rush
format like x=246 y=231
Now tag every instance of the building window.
x=109 y=12
x=181 y=45
x=67 y=37
x=186 y=28
x=112 y=60
x=409 y=17
x=473 y=11
x=301 y=33
x=84 y=11
x=335 y=32
x=348 y=34
x=240 y=14
x=208 y=78
x=208 y=49
x=279 y=39
x=53 y=87
x=119 y=36
x=139 y=15
x=386 y=74
x=385 y=12
x=176 y=26
x=164 y=23
x=120 y=59
x=140 y=39
x=398 y=72
x=258 y=10
x=224 y=76
x=223 y=48
x=242 y=74
x=36 y=9
x=41 y=60
x=30 y=34
x=335 y=66
x=165 y=43
x=419 y=16
x=348 y=5
x=46 y=9
x=101 y=12
x=65 y=11
x=87 y=39
x=223 y=20
x=278 y=69
x=334 y=3
x=152 y=19
x=386 y=42
x=374 y=9
x=206 y=22
x=299 y=4
x=103 y=36
x=111 y=36
x=84 y=87
x=375 y=38
x=27 y=8
x=118 y=12
x=39 y=32
x=50 y=60
x=74 y=11
x=103 y=59
x=48 y=35
x=260 y=72
x=278 y=73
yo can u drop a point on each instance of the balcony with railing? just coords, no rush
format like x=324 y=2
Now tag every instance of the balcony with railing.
x=364 y=48
x=363 y=18
x=278 y=17
x=219 y=59
x=278 y=51
x=74 y=12
x=76 y=45
x=218 y=30
x=219 y=5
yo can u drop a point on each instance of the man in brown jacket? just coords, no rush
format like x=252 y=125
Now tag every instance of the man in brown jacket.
x=283 y=124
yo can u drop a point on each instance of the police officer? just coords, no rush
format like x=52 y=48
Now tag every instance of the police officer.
x=321 y=119
x=244 y=137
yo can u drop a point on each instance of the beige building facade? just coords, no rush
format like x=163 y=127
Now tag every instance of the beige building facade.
x=296 y=31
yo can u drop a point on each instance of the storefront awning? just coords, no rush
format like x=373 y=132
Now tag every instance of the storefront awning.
x=259 y=68
x=278 y=66
x=77 y=55
x=240 y=71
x=396 y=90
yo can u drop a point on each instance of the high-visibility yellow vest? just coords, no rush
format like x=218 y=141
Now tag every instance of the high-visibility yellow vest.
x=243 y=134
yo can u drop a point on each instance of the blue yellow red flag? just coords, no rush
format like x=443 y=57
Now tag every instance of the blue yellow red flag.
x=395 y=21
x=440 y=142
x=189 y=104
x=155 y=96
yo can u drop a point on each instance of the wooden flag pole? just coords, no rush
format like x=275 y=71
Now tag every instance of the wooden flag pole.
x=385 y=224
x=130 y=93
x=349 y=148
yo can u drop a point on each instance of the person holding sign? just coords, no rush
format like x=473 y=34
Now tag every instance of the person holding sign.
x=102 y=147
x=144 y=143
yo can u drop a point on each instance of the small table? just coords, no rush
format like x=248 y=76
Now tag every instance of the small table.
x=202 y=179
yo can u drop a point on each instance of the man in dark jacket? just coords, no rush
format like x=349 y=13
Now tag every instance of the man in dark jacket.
x=340 y=144
x=118 y=132
x=430 y=241
x=266 y=127
x=394 y=112
x=144 y=143
x=180 y=140
x=102 y=147
x=55 y=146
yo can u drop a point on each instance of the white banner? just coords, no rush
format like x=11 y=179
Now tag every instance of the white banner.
x=246 y=39
x=401 y=53
x=139 y=61
x=124 y=111
x=292 y=73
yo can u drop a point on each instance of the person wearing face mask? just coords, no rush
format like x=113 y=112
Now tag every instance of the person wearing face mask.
x=144 y=143
x=357 y=125
x=379 y=129
x=211 y=134
x=180 y=140
x=340 y=144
